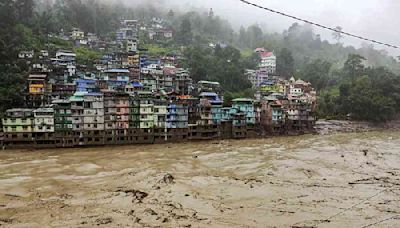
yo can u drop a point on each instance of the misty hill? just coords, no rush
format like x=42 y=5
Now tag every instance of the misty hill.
x=332 y=67
x=304 y=43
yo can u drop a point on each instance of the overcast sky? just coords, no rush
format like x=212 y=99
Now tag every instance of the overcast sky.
x=375 y=19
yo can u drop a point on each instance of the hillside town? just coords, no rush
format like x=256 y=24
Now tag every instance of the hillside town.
x=130 y=96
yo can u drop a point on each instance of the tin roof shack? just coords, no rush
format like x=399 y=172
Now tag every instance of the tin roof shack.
x=39 y=90
x=43 y=128
x=63 y=123
x=18 y=128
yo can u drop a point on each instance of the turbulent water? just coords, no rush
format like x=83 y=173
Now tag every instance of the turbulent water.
x=342 y=180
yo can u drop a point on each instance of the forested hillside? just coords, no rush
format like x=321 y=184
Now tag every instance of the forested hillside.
x=361 y=81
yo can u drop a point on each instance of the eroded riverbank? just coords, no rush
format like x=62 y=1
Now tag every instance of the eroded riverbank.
x=342 y=180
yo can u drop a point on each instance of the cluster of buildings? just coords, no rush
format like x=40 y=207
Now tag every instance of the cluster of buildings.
x=158 y=30
x=129 y=97
x=266 y=67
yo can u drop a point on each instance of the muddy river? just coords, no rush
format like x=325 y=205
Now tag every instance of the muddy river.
x=342 y=180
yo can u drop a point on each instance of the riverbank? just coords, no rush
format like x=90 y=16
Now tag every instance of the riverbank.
x=325 y=127
x=321 y=127
x=338 y=180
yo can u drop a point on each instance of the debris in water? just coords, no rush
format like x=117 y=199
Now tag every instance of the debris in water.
x=104 y=221
x=137 y=195
x=168 y=179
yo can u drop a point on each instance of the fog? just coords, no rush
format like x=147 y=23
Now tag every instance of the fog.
x=374 y=19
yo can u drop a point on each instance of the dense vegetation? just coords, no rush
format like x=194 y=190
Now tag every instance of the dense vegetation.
x=362 y=81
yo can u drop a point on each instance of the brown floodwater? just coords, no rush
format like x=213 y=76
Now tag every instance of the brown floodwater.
x=341 y=180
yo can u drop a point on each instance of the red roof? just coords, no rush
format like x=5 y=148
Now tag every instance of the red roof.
x=259 y=50
x=266 y=54
x=169 y=71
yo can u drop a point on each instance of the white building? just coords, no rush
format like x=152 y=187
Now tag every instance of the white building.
x=256 y=77
x=43 y=120
x=64 y=58
x=160 y=115
x=77 y=34
x=131 y=45
x=268 y=62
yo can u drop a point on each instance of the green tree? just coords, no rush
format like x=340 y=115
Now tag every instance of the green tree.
x=354 y=66
x=317 y=72
x=185 y=34
x=285 y=63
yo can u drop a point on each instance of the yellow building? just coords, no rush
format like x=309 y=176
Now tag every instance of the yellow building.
x=37 y=84
x=133 y=60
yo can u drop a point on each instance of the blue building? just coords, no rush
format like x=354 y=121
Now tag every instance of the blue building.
x=246 y=106
x=86 y=85
x=177 y=115
x=216 y=105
